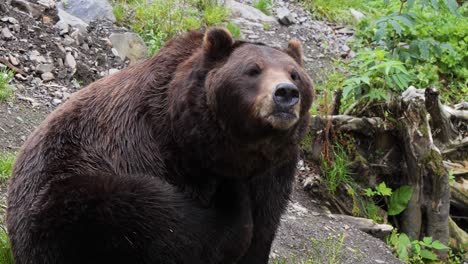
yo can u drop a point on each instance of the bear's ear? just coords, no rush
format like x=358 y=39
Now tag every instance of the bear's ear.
x=295 y=50
x=217 y=43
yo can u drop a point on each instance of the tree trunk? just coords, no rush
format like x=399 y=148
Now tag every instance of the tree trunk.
x=428 y=210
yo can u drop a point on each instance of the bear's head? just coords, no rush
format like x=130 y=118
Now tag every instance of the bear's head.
x=254 y=89
x=239 y=108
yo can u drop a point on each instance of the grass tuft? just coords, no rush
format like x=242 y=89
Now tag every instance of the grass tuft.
x=6 y=256
x=263 y=5
x=6 y=166
x=215 y=14
x=335 y=172
x=5 y=90
x=159 y=20
x=234 y=29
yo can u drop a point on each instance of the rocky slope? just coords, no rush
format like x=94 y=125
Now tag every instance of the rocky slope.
x=55 y=53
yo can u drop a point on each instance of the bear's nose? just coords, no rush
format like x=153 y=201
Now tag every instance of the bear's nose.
x=286 y=95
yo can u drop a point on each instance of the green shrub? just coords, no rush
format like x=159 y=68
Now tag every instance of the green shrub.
x=5 y=89
x=431 y=42
x=215 y=14
x=160 y=20
x=335 y=172
x=119 y=13
x=6 y=256
x=339 y=11
x=416 y=251
x=263 y=5
x=6 y=165
x=234 y=29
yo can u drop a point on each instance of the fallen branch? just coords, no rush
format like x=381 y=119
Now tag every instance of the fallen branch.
x=364 y=125
x=12 y=67
x=365 y=225
x=455 y=145
x=454 y=113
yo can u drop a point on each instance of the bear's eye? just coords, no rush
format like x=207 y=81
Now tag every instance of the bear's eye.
x=253 y=71
x=294 y=76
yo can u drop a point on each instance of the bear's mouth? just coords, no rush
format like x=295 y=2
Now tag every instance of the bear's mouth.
x=285 y=115
x=282 y=119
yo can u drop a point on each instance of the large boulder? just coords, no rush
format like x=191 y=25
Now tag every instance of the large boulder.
x=89 y=10
x=129 y=45
x=247 y=12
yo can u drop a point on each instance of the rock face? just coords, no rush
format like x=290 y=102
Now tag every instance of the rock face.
x=284 y=16
x=89 y=10
x=67 y=19
x=247 y=12
x=129 y=45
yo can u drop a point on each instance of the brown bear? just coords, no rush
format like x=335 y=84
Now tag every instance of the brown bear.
x=188 y=157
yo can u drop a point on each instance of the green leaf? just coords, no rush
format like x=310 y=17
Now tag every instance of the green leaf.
x=435 y=4
x=381 y=32
x=399 y=200
x=347 y=90
x=369 y=192
x=410 y=5
x=396 y=26
x=423 y=49
x=438 y=245
x=406 y=20
x=426 y=254
x=427 y=240
x=384 y=190
x=452 y=6
x=402 y=247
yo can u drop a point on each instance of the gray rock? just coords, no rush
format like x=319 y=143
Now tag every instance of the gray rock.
x=67 y=41
x=129 y=45
x=79 y=36
x=70 y=61
x=48 y=76
x=56 y=102
x=248 y=12
x=89 y=10
x=13 y=60
x=36 y=57
x=356 y=14
x=68 y=19
x=10 y=20
x=65 y=95
x=47 y=3
x=43 y=68
x=284 y=16
x=113 y=70
x=6 y=33
x=32 y=9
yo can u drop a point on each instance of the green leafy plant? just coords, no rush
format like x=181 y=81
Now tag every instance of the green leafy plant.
x=234 y=29
x=215 y=14
x=263 y=5
x=6 y=256
x=429 y=38
x=328 y=250
x=119 y=13
x=6 y=165
x=399 y=200
x=5 y=89
x=416 y=251
x=335 y=172
x=374 y=75
x=157 y=21
x=381 y=190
